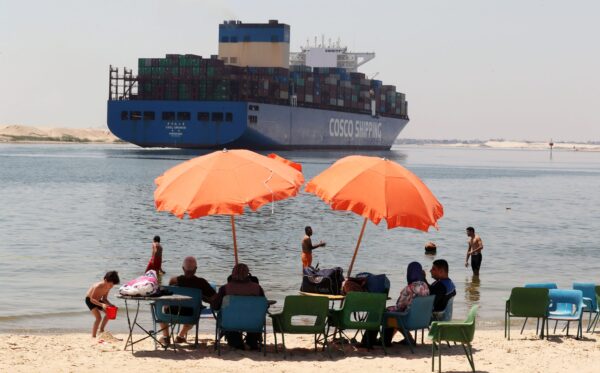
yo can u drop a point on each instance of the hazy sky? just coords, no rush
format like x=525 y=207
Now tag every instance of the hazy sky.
x=512 y=69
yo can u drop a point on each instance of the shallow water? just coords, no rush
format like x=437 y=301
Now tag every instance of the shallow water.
x=72 y=212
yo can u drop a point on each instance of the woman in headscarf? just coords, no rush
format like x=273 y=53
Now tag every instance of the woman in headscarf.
x=417 y=287
x=241 y=283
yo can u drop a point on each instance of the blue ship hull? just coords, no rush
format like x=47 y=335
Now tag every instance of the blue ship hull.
x=250 y=125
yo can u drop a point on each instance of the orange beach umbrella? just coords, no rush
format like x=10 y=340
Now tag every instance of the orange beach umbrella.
x=377 y=188
x=224 y=183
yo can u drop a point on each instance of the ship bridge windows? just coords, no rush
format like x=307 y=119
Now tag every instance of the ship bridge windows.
x=216 y=117
x=149 y=115
x=228 y=117
x=184 y=115
x=124 y=115
x=203 y=116
x=135 y=115
x=168 y=115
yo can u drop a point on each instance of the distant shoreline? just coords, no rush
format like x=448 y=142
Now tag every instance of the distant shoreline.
x=31 y=135
x=18 y=134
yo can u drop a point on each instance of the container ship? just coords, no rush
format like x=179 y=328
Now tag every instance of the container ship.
x=255 y=94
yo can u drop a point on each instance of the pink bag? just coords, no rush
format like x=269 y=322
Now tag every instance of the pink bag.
x=142 y=286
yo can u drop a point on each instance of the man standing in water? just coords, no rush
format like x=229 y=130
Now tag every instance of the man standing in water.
x=307 y=247
x=474 y=251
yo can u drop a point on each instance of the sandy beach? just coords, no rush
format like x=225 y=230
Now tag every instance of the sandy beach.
x=493 y=353
x=20 y=133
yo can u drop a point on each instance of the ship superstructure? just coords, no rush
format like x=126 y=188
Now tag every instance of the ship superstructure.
x=330 y=55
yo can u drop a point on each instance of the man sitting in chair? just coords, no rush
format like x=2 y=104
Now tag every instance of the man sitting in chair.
x=188 y=280
x=241 y=284
x=443 y=288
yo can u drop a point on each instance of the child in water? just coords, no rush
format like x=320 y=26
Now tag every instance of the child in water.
x=155 y=262
x=97 y=299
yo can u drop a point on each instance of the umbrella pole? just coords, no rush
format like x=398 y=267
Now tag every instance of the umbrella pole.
x=357 y=246
x=234 y=239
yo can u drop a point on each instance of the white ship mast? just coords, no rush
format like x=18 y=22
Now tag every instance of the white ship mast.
x=329 y=55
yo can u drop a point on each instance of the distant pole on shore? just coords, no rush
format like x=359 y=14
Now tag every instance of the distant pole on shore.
x=551 y=145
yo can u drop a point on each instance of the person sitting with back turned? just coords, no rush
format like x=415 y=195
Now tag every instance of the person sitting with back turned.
x=188 y=280
x=416 y=287
x=443 y=288
x=240 y=284
x=308 y=247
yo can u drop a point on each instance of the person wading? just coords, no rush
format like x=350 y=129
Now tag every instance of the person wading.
x=308 y=247
x=474 y=251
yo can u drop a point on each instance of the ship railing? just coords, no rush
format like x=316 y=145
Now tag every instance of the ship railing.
x=122 y=86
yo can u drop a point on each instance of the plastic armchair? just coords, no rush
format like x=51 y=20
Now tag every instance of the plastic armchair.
x=368 y=306
x=589 y=299
x=568 y=306
x=446 y=314
x=242 y=314
x=527 y=302
x=551 y=307
x=165 y=311
x=595 y=322
x=453 y=331
x=208 y=312
x=298 y=306
x=418 y=317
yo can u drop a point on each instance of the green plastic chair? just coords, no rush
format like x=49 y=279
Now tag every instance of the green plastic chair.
x=527 y=302
x=595 y=321
x=453 y=331
x=361 y=311
x=298 y=306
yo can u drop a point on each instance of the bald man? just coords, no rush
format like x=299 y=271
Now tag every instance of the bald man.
x=188 y=280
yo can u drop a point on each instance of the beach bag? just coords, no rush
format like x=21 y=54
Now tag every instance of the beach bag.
x=143 y=286
x=376 y=283
x=322 y=281
x=354 y=284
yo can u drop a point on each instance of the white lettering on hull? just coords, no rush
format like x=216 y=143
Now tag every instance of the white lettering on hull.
x=175 y=129
x=355 y=129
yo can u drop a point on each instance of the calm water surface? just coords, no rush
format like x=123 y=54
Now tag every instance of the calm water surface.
x=72 y=212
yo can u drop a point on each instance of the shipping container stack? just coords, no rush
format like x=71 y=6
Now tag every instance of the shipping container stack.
x=191 y=77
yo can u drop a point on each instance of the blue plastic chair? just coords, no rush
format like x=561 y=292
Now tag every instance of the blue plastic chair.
x=446 y=314
x=195 y=304
x=242 y=314
x=588 y=290
x=568 y=306
x=208 y=312
x=418 y=317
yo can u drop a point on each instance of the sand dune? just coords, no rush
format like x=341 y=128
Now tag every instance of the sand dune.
x=18 y=133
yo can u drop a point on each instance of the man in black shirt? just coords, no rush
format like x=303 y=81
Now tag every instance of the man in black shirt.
x=443 y=288
x=189 y=280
